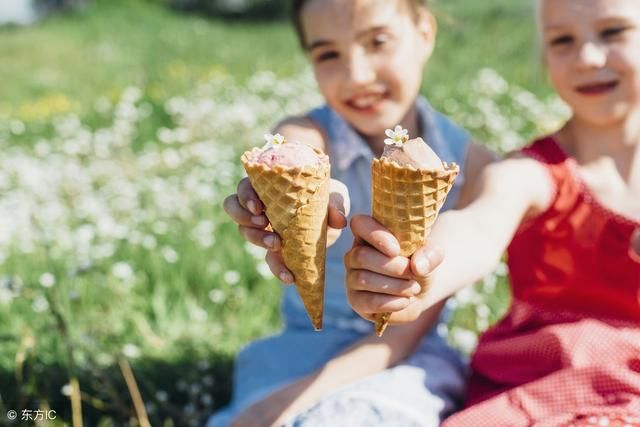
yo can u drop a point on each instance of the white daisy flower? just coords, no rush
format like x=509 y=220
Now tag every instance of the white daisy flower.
x=273 y=140
x=397 y=136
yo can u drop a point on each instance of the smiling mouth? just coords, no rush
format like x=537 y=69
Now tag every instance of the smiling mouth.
x=597 y=88
x=366 y=103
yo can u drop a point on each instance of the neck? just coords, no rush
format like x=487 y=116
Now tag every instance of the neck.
x=619 y=142
x=409 y=122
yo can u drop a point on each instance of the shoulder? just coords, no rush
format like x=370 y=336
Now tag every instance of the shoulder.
x=519 y=179
x=304 y=130
x=476 y=159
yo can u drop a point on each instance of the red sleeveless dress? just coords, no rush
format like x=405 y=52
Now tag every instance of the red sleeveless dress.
x=568 y=351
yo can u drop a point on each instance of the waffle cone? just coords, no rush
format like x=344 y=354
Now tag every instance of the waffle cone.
x=296 y=201
x=407 y=200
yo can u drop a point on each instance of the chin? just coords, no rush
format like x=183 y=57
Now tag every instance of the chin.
x=603 y=119
x=370 y=131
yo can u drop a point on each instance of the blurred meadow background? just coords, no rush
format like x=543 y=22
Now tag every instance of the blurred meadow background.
x=121 y=125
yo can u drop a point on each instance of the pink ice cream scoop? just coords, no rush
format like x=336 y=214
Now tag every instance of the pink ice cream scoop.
x=290 y=154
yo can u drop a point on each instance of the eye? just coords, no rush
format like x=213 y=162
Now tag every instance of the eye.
x=612 y=32
x=380 y=39
x=563 y=40
x=327 y=56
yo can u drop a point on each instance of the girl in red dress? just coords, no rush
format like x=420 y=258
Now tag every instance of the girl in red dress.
x=567 y=211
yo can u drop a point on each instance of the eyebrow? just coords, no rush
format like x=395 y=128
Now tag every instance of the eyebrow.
x=319 y=43
x=322 y=42
x=602 y=21
x=554 y=27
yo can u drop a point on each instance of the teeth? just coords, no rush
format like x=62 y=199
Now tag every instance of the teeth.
x=366 y=101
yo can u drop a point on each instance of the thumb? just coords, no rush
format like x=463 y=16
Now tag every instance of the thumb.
x=337 y=219
x=338 y=205
x=426 y=259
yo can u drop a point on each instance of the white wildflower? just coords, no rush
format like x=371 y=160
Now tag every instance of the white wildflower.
x=149 y=241
x=483 y=311
x=216 y=296
x=397 y=136
x=40 y=304
x=66 y=390
x=6 y=296
x=122 y=271
x=169 y=254
x=47 y=280
x=198 y=314
x=231 y=277
x=131 y=351
x=264 y=270
x=273 y=140
x=465 y=339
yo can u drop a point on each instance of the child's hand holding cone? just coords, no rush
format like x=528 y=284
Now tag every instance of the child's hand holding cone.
x=409 y=186
x=379 y=279
x=289 y=192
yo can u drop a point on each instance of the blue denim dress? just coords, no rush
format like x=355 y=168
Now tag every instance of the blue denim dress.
x=421 y=390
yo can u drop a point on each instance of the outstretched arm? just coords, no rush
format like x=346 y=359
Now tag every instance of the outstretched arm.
x=473 y=240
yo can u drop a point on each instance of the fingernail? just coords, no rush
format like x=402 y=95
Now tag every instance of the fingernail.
x=258 y=220
x=344 y=219
x=393 y=247
x=269 y=240
x=416 y=288
x=252 y=207
x=422 y=266
x=286 y=277
x=434 y=254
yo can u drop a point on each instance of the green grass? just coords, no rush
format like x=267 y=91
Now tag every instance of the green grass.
x=77 y=65
x=498 y=34
x=99 y=50
x=68 y=61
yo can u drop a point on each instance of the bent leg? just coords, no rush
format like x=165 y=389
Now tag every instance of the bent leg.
x=419 y=392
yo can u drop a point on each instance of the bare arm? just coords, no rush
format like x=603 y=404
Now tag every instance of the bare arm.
x=477 y=159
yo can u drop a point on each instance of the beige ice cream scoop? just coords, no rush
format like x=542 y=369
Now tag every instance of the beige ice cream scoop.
x=414 y=153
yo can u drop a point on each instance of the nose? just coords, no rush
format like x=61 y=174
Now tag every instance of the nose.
x=361 y=69
x=591 y=55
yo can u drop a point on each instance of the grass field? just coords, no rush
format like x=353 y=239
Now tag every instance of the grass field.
x=120 y=132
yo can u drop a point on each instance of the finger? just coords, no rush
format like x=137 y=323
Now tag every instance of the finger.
x=248 y=198
x=336 y=219
x=278 y=268
x=362 y=257
x=371 y=231
x=425 y=260
x=363 y=280
x=241 y=215
x=338 y=205
x=262 y=238
x=367 y=303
